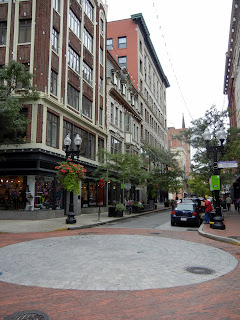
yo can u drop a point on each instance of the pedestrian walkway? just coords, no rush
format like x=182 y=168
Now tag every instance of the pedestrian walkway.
x=231 y=234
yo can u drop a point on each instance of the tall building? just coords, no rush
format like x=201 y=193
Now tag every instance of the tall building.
x=183 y=157
x=130 y=44
x=63 y=44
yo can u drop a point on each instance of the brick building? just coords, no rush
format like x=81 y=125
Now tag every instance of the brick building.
x=63 y=44
x=183 y=156
x=130 y=44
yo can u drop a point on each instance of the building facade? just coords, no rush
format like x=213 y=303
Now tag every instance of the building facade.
x=129 y=43
x=63 y=44
x=183 y=157
x=232 y=78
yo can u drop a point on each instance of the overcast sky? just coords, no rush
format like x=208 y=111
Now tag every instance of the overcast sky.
x=191 y=39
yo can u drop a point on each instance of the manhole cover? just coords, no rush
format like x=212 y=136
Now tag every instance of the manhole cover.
x=200 y=270
x=192 y=229
x=28 y=315
x=154 y=232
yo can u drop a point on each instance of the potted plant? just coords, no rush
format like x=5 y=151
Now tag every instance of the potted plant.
x=137 y=207
x=166 y=203
x=119 y=209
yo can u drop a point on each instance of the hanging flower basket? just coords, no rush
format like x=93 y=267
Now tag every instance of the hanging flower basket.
x=70 y=174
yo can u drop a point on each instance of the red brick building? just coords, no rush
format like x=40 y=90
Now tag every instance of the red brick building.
x=130 y=44
x=63 y=44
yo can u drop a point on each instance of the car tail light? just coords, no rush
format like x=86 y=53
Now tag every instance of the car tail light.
x=194 y=214
x=173 y=212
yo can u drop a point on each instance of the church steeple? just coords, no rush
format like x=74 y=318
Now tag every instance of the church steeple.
x=183 y=122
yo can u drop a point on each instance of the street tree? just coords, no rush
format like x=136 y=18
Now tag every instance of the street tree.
x=15 y=89
x=122 y=168
x=165 y=173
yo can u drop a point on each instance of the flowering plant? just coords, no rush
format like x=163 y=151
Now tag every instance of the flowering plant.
x=70 y=174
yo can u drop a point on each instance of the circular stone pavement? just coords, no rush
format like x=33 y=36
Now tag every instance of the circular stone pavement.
x=111 y=262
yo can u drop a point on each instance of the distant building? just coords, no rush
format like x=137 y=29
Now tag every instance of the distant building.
x=183 y=155
x=129 y=43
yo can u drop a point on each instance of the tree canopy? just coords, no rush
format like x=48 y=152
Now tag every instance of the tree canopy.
x=15 y=87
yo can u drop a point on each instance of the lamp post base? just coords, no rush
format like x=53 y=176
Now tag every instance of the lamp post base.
x=71 y=218
x=218 y=223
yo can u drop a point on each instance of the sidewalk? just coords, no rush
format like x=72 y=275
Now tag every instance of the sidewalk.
x=230 y=235
x=56 y=224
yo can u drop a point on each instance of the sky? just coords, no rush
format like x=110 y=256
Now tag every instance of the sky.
x=190 y=38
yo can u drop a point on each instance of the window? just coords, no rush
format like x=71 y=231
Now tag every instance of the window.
x=112 y=108
x=73 y=60
x=19 y=84
x=25 y=31
x=87 y=73
x=88 y=8
x=101 y=56
x=116 y=117
x=101 y=86
x=100 y=150
x=140 y=46
x=101 y=26
x=122 y=42
x=73 y=97
x=56 y=5
x=52 y=130
x=128 y=123
x=140 y=66
x=116 y=145
x=122 y=61
x=3 y=32
x=53 y=88
x=120 y=120
x=100 y=121
x=74 y=23
x=88 y=40
x=55 y=37
x=109 y=44
x=87 y=107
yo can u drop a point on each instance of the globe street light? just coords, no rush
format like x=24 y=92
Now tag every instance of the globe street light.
x=72 y=153
x=215 y=149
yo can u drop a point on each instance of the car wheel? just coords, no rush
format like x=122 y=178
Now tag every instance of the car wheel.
x=173 y=223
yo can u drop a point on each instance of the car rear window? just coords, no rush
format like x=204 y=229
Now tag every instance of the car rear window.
x=185 y=206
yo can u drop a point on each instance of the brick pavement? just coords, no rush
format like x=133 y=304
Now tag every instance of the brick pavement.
x=215 y=299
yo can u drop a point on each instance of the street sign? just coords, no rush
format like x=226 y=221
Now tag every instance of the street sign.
x=227 y=164
x=215 y=183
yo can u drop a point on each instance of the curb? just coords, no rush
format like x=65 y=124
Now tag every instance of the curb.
x=217 y=238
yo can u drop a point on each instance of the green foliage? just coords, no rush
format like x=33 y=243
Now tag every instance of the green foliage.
x=120 y=207
x=165 y=174
x=198 y=186
x=13 y=124
x=70 y=174
x=122 y=168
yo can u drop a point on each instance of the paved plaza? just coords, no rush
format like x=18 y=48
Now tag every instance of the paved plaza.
x=112 y=262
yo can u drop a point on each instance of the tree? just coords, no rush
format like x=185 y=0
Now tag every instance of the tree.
x=13 y=123
x=202 y=165
x=198 y=186
x=165 y=173
x=122 y=168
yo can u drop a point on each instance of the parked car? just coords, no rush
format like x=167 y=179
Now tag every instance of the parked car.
x=186 y=212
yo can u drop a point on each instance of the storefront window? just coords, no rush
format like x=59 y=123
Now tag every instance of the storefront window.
x=45 y=197
x=13 y=193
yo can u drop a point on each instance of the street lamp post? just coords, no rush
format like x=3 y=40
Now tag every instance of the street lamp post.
x=72 y=153
x=215 y=149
